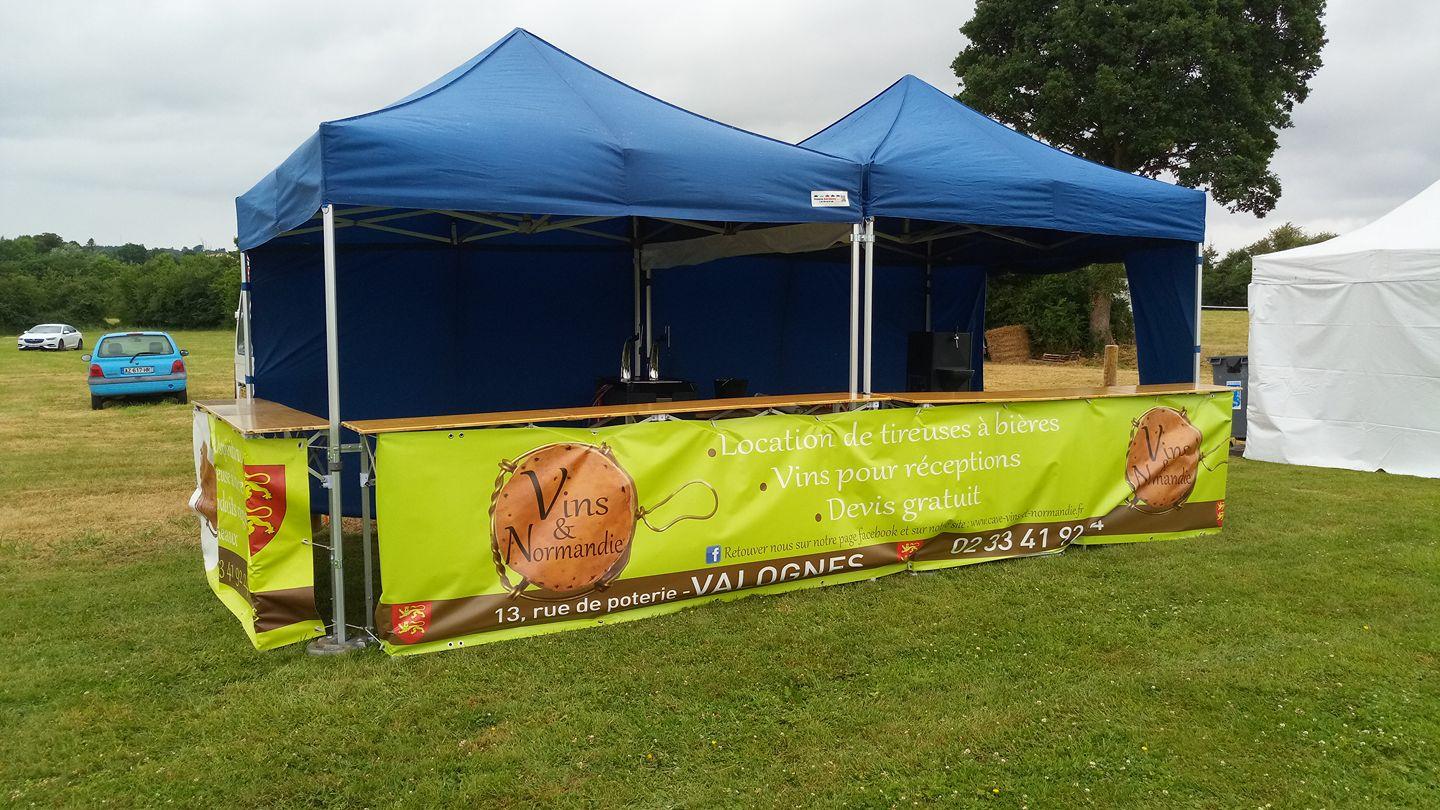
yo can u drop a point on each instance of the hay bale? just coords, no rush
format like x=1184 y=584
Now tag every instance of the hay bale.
x=1008 y=344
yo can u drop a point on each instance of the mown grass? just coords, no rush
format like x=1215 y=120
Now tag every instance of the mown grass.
x=1225 y=332
x=1290 y=661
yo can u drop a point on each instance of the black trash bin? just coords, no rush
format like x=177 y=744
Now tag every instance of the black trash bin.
x=1233 y=371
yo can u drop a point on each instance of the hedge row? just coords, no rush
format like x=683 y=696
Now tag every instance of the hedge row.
x=45 y=279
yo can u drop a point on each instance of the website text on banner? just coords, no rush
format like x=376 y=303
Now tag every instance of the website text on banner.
x=253 y=499
x=493 y=534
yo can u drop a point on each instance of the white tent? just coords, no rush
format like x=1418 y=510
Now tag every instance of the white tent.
x=1345 y=347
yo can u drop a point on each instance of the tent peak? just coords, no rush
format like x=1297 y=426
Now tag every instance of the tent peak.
x=524 y=126
x=930 y=156
x=1410 y=226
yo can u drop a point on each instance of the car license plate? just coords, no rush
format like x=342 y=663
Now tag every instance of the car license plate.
x=138 y=369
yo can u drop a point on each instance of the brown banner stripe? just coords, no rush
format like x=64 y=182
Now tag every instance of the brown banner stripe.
x=1186 y=517
x=282 y=608
x=1028 y=539
x=235 y=573
x=440 y=619
x=447 y=618
x=273 y=609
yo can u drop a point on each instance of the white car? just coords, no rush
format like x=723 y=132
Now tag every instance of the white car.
x=57 y=336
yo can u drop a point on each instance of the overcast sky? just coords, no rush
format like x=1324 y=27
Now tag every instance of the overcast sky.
x=142 y=121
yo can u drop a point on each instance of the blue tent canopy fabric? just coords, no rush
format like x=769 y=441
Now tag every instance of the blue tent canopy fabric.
x=525 y=127
x=929 y=157
x=533 y=136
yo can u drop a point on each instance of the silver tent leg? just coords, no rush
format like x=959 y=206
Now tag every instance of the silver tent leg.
x=244 y=326
x=854 y=310
x=367 y=485
x=869 y=295
x=1199 y=273
x=335 y=643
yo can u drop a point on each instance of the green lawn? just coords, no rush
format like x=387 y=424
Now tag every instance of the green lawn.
x=1290 y=661
x=1225 y=332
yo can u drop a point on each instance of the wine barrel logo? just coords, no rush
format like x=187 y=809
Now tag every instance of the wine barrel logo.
x=1163 y=460
x=563 y=518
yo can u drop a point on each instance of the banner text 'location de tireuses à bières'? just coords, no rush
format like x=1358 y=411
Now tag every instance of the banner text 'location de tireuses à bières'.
x=494 y=534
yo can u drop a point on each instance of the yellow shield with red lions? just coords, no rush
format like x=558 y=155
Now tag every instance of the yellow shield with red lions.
x=1162 y=461
x=265 y=503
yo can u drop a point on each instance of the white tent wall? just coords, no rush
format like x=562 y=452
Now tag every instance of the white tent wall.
x=1345 y=348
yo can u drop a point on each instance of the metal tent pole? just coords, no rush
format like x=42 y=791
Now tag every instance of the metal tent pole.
x=246 y=385
x=1199 y=270
x=648 y=280
x=869 y=296
x=649 y=321
x=855 y=238
x=335 y=642
x=635 y=245
x=929 y=284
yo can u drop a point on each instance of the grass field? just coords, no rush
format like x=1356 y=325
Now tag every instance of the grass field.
x=1224 y=332
x=1292 y=661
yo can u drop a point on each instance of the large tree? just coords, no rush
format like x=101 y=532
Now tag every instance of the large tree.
x=1194 y=90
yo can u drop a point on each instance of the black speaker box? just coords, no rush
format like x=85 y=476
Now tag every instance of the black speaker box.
x=938 y=361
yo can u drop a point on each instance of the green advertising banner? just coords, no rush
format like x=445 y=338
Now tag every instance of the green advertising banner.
x=501 y=533
x=253 y=499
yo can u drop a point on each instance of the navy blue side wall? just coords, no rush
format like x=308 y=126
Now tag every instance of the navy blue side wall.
x=1162 y=293
x=780 y=322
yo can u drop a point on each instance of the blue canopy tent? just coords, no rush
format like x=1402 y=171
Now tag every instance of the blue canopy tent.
x=489 y=224
x=955 y=195
x=476 y=245
x=490 y=242
x=522 y=176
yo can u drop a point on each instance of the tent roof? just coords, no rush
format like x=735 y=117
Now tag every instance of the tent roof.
x=930 y=157
x=524 y=127
x=1402 y=245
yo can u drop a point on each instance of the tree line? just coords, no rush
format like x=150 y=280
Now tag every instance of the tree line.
x=44 y=278
x=1225 y=279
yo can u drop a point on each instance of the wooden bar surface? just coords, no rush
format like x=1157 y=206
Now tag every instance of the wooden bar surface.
x=252 y=417
x=642 y=409
x=1046 y=394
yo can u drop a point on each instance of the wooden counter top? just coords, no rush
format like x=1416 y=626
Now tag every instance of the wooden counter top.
x=1044 y=394
x=252 y=417
x=472 y=420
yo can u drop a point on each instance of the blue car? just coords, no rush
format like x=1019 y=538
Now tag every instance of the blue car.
x=127 y=364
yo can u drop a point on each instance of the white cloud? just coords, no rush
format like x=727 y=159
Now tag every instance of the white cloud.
x=1364 y=141
x=142 y=121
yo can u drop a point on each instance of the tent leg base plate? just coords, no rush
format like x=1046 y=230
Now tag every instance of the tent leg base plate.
x=327 y=645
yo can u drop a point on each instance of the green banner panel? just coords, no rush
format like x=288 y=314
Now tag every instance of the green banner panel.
x=253 y=499
x=501 y=533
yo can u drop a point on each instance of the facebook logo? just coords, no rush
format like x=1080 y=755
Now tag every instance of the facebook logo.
x=712 y=555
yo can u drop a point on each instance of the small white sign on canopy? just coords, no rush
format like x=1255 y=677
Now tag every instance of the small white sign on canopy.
x=1345 y=348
